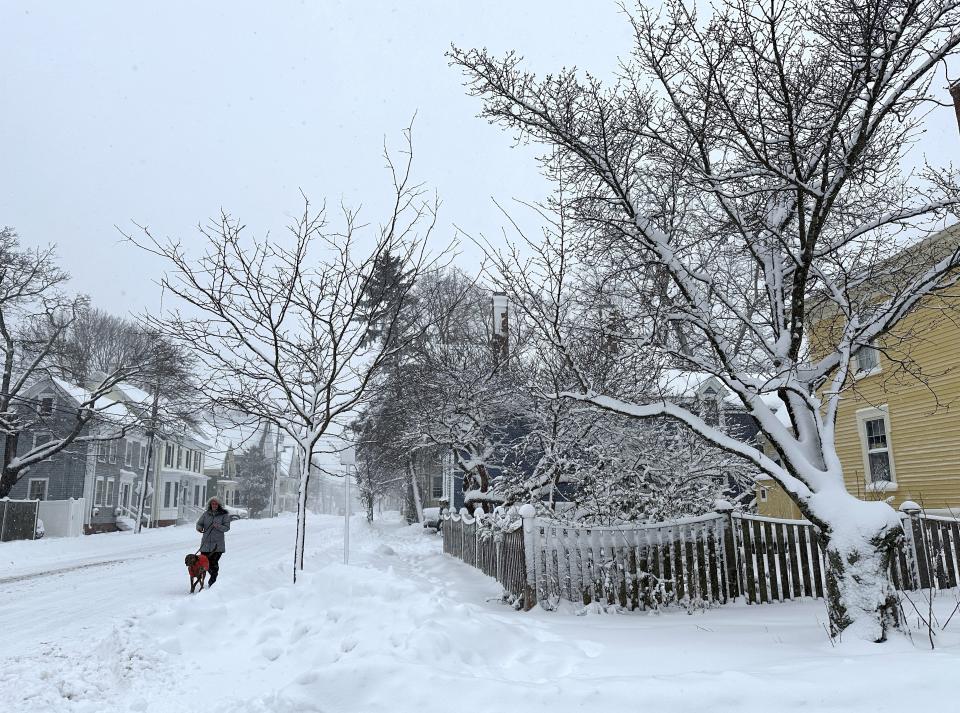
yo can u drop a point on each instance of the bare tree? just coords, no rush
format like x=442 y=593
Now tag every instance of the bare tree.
x=35 y=318
x=748 y=164
x=278 y=324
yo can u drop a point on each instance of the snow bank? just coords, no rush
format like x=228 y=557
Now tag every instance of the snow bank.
x=406 y=629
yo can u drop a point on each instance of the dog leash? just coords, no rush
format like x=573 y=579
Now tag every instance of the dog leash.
x=201 y=542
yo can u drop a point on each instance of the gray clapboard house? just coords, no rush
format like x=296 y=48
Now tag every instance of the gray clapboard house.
x=108 y=475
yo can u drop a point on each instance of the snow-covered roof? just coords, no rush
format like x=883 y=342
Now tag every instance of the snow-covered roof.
x=135 y=394
x=104 y=405
x=679 y=384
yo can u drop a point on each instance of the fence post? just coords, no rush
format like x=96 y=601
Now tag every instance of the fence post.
x=731 y=555
x=529 y=514
x=498 y=543
x=917 y=552
x=463 y=540
x=478 y=513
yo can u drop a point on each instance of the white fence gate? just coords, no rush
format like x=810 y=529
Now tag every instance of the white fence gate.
x=63 y=518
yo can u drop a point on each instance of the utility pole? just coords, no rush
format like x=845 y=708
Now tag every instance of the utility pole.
x=152 y=434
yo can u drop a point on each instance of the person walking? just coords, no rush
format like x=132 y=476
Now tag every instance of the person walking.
x=214 y=521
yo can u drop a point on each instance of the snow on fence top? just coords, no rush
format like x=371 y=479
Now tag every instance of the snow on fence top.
x=697 y=561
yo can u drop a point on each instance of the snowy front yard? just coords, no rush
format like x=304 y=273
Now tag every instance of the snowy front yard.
x=402 y=629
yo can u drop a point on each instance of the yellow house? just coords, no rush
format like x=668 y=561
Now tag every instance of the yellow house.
x=897 y=435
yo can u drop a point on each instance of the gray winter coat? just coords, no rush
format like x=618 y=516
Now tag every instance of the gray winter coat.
x=213 y=525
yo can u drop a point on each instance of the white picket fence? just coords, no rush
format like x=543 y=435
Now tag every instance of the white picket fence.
x=714 y=558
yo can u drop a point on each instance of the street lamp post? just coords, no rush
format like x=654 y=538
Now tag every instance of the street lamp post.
x=348 y=457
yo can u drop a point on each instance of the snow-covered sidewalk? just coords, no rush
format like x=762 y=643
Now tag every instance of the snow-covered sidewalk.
x=403 y=629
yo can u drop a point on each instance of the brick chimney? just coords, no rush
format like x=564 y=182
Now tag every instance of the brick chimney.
x=955 y=93
x=501 y=325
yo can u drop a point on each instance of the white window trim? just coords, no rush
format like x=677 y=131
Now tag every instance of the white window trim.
x=870 y=414
x=108 y=492
x=763 y=494
x=99 y=491
x=46 y=486
x=128 y=452
x=859 y=373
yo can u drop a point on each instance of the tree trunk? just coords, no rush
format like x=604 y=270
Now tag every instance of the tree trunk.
x=415 y=489
x=955 y=93
x=368 y=501
x=9 y=478
x=300 y=541
x=861 y=598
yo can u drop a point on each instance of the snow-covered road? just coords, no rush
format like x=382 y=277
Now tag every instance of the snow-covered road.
x=58 y=589
x=403 y=629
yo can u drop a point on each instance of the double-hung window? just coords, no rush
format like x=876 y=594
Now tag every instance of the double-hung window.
x=37 y=489
x=39 y=439
x=874 y=426
x=167 y=488
x=867 y=359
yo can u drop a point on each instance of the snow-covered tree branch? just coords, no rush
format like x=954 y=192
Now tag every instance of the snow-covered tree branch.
x=747 y=166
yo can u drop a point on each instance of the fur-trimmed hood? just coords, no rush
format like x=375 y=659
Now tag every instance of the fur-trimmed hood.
x=219 y=502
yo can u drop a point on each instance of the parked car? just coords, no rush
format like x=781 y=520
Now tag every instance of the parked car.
x=238 y=513
x=432 y=518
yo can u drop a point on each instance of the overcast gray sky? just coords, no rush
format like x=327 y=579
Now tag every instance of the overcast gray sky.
x=166 y=112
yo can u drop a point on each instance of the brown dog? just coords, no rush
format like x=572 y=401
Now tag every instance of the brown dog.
x=197 y=566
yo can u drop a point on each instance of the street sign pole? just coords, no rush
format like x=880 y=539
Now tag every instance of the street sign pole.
x=347 y=458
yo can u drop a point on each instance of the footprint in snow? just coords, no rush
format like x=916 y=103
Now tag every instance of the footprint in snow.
x=271 y=652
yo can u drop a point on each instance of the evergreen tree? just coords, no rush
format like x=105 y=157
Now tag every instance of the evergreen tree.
x=255 y=476
x=385 y=295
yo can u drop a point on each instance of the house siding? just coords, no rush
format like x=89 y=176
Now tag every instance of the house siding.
x=64 y=471
x=924 y=431
x=923 y=425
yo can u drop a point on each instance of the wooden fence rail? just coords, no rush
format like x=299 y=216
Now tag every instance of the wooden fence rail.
x=494 y=547
x=711 y=559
